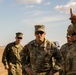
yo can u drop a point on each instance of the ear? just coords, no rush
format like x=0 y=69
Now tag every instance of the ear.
x=44 y=33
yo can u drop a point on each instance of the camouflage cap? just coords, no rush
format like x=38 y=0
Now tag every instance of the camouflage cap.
x=19 y=34
x=70 y=29
x=39 y=28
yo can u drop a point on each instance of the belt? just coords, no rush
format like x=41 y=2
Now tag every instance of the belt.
x=71 y=73
x=41 y=73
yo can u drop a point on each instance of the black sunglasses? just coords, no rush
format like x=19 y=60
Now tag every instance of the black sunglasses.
x=19 y=37
x=39 y=32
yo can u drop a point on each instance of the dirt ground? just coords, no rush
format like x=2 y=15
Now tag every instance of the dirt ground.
x=2 y=70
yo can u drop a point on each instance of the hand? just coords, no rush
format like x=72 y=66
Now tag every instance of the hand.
x=51 y=73
x=73 y=16
x=28 y=71
x=6 y=67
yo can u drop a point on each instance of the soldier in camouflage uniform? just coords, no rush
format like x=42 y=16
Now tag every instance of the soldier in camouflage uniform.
x=70 y=67
x=37 y=55
x=11 y=56
x=64 y=50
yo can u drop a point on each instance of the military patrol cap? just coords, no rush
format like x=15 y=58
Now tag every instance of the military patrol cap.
x=19 y=34
x=39 y=28
x=70 y=29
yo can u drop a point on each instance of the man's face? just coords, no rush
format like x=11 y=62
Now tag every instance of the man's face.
x=69 y=40
x=74 y=37
x=40 y=35
x=18 y=39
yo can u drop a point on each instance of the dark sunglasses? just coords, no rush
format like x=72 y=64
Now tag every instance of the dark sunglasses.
x=39 y=32
x=19 y=37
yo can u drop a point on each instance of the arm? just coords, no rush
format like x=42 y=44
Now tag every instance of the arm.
x=25 y=60
x=5 y=57
x=58 y=56
x=72 y=16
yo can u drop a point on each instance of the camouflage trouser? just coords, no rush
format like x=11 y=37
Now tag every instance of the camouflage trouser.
x=15 y=69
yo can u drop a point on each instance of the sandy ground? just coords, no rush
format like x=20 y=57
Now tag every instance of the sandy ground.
x=2 y=70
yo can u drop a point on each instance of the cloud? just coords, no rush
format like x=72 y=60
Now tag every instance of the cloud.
x=29 y=1
x=42 y=20
x=36 y=13
x=65 y=8
x=46 y=4
x=29 y=6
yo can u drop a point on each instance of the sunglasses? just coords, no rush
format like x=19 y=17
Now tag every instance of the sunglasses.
x=39 y=32
x=19 y=37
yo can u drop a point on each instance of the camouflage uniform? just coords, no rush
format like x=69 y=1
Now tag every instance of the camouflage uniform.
x=71 y=55
x=64 y=50
x=11 y=57
x=70 y=66
x=39 y=57
x=71 y=60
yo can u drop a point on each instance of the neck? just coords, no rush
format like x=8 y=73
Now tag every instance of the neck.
x=17 y=43
x=40 y=41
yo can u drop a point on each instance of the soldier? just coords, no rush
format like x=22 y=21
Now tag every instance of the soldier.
x=37 y=55
x=64 y=50
x=11 y=56
x=70 y=67
x=71 y=55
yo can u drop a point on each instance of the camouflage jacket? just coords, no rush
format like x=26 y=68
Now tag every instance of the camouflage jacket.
x=64 y=50
x=39 y=57
x=71 y=59
x=11 y=54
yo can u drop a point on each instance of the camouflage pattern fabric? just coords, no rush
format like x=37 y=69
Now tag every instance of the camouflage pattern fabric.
x=71 y=60
x=39 y=57
x=64 y=50
x=11 y=57
x=70 y=29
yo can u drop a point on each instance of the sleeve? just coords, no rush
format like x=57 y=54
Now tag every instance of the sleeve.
x=5 y=55
x=58 y=56
x=25 y=59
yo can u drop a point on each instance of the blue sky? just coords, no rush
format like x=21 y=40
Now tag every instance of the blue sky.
x=22 y=15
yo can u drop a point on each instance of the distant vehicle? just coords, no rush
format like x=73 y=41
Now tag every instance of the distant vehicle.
x=57 y=44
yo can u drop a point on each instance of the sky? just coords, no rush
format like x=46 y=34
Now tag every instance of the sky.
x=23 y=15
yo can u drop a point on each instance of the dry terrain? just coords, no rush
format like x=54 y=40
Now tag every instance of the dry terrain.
x=2 y=70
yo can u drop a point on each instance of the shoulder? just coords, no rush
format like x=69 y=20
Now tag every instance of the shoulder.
x=29 y=44
x=64 y=46
x=10 y=44
x=49 y=42
x=50 y=45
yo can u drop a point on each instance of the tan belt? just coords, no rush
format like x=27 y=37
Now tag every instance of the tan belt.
x=43 y=73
